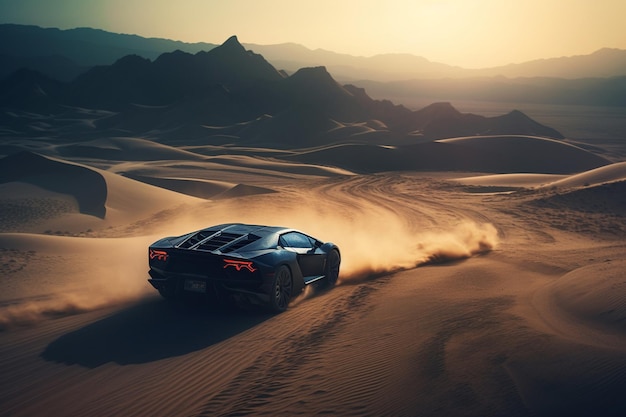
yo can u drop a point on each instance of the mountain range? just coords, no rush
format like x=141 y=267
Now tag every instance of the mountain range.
x=538 y=90
x=85 y=47
x=63 y=54
x=230 y=95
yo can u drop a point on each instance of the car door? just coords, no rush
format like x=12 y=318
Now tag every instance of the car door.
x=310 y=257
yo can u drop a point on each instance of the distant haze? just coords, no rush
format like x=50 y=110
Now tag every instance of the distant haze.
x=470 y=34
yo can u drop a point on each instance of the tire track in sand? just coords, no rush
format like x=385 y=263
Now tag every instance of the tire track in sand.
x=269 y=380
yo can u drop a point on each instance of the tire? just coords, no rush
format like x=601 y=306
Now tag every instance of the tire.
x=331 y=271
x=281 y=290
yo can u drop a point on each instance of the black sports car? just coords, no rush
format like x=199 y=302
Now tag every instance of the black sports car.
x=263 y=264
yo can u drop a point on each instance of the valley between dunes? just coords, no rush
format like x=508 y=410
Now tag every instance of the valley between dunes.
x=459 y=294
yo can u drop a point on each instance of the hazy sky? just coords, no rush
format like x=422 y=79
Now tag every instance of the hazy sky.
x=468 y=33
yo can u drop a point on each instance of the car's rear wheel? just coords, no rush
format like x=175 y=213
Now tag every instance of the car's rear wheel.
x=331 y=272
x=281 y=290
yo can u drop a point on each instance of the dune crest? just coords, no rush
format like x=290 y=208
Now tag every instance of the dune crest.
x=608 y=173
x=487 y=154
x=123 y=149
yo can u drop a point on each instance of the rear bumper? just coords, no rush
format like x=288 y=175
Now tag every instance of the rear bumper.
x=158 y=281
x=175 y=283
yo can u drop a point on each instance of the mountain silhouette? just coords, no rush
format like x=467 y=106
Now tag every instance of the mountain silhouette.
x=88 y=47
x=85 y=46
x=597 y=79
x=55 y=66
x=442 y=120
x=172 y=76
x=176 y=96
x=31 y=91
x=584 y=91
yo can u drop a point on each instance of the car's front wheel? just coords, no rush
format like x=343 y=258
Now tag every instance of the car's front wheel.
x=281 y=290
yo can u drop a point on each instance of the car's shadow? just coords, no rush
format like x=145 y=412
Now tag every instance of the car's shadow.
x=150 y=330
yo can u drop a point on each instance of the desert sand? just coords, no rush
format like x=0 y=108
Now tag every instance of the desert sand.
x=460 y=294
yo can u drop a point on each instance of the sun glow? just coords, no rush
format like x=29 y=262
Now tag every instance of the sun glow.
x=478 y=33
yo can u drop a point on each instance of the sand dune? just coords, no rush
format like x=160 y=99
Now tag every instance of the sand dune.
x=206 y=189
x=123 y=149
x=526 y=154
x=190 y=186
x=588 y=297
x=510 y=180
x=277 y=165
x=608 y=173
x=85 y=185
x=23 y=204
x=495 y=154
x=216 y=174
x=604 y=199
x=243 y=190
x=48 y=194
x=130 y=199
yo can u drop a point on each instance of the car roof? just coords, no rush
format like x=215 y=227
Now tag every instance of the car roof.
x=231 y=237
x=242 y=228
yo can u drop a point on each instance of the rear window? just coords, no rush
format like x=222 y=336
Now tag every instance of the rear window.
x=296 y=240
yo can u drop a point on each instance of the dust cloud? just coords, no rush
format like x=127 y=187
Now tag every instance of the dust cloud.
x=409 y=250
x=105 y=273
x=373 y=240
x=51 y=306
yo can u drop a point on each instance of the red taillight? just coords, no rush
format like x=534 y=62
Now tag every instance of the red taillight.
x=159 y=255
x=239 y=265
